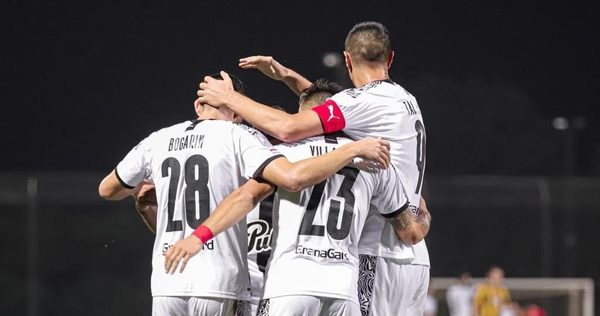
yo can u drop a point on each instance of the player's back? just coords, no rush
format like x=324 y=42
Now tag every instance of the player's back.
x=385 y=109
x=317 y=230
x=194 y=166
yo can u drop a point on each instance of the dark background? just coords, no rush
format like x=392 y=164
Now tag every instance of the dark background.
x=83 y=82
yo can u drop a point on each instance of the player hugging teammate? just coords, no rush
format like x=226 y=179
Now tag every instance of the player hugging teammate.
x=338 y=221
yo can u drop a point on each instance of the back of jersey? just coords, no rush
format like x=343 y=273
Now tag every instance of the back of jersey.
x=194 y=166
x=385 y=109
x=315 y=239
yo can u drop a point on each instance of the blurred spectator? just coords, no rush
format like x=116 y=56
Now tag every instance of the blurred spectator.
x=492 y=296
x=534 y=310
x=459 y=296
x=431 y=303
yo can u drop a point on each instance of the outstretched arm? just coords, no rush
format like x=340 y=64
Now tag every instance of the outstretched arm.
x=274 y=70
x=279 y=124
x=304 y=173
x=412 y=228
x=230 y=211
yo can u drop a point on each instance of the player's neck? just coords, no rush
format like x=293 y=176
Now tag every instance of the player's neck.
x=210 y=113
x=365 y=75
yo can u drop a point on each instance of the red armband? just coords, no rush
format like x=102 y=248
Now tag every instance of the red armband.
x=203 y=233
x=331 y=116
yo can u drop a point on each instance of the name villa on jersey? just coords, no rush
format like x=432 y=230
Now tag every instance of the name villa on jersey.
x=320 y=150
x=185 y=142
x=322 y=253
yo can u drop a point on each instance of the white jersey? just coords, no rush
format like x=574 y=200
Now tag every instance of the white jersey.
x=315 y=239
x=260 y=227
x=384 y=109
x=194 y=166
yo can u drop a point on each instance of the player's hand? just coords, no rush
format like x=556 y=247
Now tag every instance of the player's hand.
x=180 y=253
x=145 y=194
x=145 y=203
x=266 y=64
x=374 y=150
x=213 y=91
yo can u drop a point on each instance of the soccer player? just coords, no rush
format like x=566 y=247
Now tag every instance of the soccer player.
x=314 y=265
x=313 y=237
x=194 y=166
x=377 y=107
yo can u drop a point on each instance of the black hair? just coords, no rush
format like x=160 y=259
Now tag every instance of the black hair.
x=319 y=91
x=369 y=41
x=238 y=85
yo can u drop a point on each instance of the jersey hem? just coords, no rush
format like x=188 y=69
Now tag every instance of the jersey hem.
x=205 y=294
x=315 y=293
x=396 y=212
x=259 y=170
x=125 y=185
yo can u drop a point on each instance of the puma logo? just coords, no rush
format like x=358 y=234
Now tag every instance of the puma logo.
x=331 y=115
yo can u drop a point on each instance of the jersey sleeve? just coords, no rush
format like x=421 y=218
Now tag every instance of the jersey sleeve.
x=390 y=198
x=342 y=111
x=135 y=167
x=255 y=152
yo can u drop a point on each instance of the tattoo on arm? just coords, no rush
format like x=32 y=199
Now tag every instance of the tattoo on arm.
x=424 y=219
x=402 y=221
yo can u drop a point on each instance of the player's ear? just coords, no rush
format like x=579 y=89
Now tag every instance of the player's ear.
x=390 y=59
x=348 y=61
x=198 y=107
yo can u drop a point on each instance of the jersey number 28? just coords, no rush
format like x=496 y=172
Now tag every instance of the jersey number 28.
x=195 y=175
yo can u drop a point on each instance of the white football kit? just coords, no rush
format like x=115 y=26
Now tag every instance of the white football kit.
x=316 y=232
x=384 y=109
x=260 y=227
x=194 y=166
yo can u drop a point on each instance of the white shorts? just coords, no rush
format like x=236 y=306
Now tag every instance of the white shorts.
x=307 y=305
x=389 y=287
x=257 y=284
x=198 y=306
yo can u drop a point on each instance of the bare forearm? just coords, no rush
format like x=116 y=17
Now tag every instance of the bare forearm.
x=307 y=172
x=424 y=221
x=148 y=214
x=235 y=207
x=410 y=228
x=296 y=82
x=269 y=120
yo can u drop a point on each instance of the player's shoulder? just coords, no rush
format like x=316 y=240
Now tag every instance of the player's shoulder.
x=377 y=88
x=177 y=127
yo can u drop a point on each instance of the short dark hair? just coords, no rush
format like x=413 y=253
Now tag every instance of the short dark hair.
x=238 y=85
x=318 y=92
x=369 y=41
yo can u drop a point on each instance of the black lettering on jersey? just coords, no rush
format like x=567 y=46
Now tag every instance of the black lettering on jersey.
x=320 y=150
x=185 y=142
x=259 y=236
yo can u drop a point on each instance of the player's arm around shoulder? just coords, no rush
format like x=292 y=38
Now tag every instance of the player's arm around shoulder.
x=284 y=126
x=307 y=172
x=409 y=227
x=230 y=211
